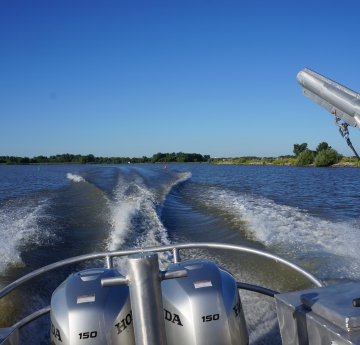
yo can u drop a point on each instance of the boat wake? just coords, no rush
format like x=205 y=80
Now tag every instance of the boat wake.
x=135 y=215
x=75 y=178
x=293 y=233
x=22 y=223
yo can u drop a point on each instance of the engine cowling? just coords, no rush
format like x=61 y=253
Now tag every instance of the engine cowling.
x=203 y=308
x=82 y=309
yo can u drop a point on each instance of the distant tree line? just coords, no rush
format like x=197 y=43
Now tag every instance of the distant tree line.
x=323 y=156
x=67 y=158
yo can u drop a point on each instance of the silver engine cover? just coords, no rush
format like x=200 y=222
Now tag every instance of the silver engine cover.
x=81 y=309
x=204 y=308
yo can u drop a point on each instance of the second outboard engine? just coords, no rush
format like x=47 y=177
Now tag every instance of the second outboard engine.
x=82 y=309
x=203 y=308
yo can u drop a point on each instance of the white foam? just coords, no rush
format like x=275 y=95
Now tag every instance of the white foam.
x=122 y=214
x=135 y=219
x=290 y=231
x=75 y=178
x=19 y=225
x=182 y=177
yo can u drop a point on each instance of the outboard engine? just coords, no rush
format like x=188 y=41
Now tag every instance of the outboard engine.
x=82 y=309
x=203 y=308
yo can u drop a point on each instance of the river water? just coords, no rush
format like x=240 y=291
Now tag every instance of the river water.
x=307 y=215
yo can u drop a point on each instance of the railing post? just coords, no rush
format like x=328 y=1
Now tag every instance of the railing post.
x=146 y=299
x=144 y=281
x=176 y=255
x=109 y=262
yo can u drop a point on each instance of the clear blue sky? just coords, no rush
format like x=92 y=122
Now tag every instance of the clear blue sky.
x=133 y=78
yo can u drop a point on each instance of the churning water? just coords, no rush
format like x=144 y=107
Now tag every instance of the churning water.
x=307 y=215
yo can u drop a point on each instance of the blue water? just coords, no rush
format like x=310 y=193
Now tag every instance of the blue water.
x=307 y=215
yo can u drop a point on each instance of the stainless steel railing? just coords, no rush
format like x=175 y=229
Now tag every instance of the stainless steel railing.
x=175 y=248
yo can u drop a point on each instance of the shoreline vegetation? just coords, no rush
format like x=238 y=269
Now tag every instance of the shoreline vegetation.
x=346 y=162
x=67 y=158
x=350 y=162
x=323 y=156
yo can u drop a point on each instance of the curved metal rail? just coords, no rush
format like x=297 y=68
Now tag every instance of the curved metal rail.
x=256 y=288
x=32 y=317
x=173 y=247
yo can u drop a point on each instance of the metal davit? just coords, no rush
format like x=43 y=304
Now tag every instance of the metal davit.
x=341 y=102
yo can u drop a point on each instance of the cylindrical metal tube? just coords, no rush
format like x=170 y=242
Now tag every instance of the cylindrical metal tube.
x=146 y=299
x=114 y=281
x=176 y=254
x=109 y=262
x=331 y=95
x=172 y=274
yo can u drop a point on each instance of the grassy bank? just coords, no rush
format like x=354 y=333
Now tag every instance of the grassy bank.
x=345 y=161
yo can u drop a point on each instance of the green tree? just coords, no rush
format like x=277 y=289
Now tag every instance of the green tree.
x=327 y=157
x=322 y=146
x=90 y=158
x=180 y=157
x=157 y=156
x=171 y=157
x=144 y=159
x=298 y=148
x=305 y=158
